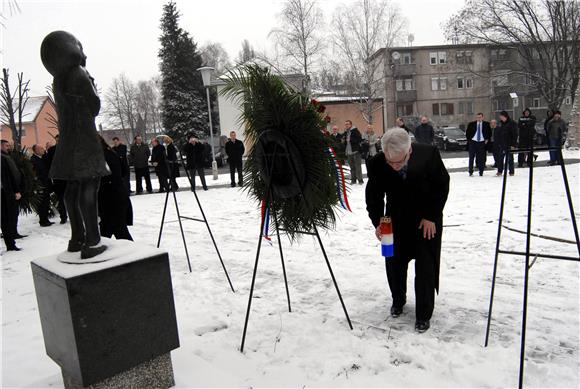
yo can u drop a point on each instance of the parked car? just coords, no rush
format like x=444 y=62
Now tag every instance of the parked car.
x=450 y=138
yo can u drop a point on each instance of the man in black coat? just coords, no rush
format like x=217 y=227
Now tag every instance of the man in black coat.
x=505 y=138
x=526 y=134
x=121 y=150
x=424 y=132
x=235 y=151
x=11 y=193
x=41 y=173
x=159 y=161
x=478 y=134
x=416 y=185
x=140 y=159
x=194 y=154
x=352 y=139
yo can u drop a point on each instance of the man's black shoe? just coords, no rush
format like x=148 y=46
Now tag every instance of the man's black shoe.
x=233 y=184
x=396 y=311
x=91 y=251
x=63 y=221
x=13 y=248
x=18 y=236
x=205 y=188
x=422 y=326
x=46 y=224
x=74 y=247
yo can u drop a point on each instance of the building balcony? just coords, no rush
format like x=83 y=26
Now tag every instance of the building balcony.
x=409 y=69
x=406 y=96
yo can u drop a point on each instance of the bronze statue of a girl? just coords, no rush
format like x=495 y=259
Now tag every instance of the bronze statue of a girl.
x=79 y=157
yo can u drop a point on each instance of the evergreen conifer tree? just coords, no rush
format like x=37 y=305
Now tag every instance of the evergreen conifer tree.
x=183 y=106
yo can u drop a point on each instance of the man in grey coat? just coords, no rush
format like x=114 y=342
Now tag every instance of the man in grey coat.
x=139 y=155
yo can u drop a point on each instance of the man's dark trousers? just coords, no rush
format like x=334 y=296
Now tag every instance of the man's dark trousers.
x=424 y=286
x=236 y=165
x=477 y=152
x=143 y=172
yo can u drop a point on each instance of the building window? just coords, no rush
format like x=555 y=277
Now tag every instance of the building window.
x=436 y=109
x=536 y=102
x=568 y=100
x=405 y=84
x=433 y=58
x=446 y=109
x=469 y=107
x=406 y=58
x=460 y=83
x=469 y=83
x=23 y=133
x=438 y=58
x=439 y=83
x=529 y=79
x=405 y=110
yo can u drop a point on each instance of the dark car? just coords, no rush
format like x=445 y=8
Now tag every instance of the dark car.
x=450 y=138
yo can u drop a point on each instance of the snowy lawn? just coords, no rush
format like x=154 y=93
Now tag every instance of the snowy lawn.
x=313 y=346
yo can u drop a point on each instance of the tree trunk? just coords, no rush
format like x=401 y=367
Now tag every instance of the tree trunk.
x=574 y=127
x=10 y=110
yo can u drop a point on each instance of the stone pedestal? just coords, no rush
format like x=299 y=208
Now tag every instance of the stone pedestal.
x=109 y=324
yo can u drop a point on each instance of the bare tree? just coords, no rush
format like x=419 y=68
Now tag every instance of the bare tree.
x=148 y=105
x=359 y=30
x=247 y=52
x=213 y=54
x=545 y=34
x=299 y=35
x=12 y=105
x=121 y=105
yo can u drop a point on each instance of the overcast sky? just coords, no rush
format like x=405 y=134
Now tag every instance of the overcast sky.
x=122 y=35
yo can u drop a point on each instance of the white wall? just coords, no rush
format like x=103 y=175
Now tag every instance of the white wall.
x=229 y=113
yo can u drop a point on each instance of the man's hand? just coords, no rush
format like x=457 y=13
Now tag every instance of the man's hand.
x=429 y=229
x=155 y=164
x=378 y=233
x=17 y=196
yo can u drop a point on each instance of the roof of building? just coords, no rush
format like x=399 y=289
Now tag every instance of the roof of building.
x=431 y=47
x=31 y=109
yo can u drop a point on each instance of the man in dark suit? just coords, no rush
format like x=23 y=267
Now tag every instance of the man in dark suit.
x=235 y=151
x=416 y=185
x=41 y=173
x=11 y=193
x=195 y=154
x=159 y=161
x=121 y=150
x=478 y=134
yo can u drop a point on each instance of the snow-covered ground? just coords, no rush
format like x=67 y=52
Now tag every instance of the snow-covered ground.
x=313 y=346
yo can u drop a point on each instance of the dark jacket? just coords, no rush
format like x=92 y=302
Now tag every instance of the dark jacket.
x=172 y=160
x=158 y=156
x=140 y=155
x=235 y=151
x=121 y=152
x=421 y=195
x=424 y=133
x=526 y=130
x=79 y=154
x=355 y=139
x=194 y=155
x=506 y=134
x=11 y=178
x=40 y=169
x=556 y=128
x=115 y=207
x=472 y=129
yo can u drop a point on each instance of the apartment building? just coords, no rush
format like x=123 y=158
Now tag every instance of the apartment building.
x=452 y=83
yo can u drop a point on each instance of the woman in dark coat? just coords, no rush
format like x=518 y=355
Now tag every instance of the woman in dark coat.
x=115 y=209
x=172 y=162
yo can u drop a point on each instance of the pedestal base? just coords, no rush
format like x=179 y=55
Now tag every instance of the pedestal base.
x=156 y=373
x=109 y=321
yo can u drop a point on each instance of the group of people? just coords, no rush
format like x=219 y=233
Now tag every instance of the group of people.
x=500 y=137
x=163 y=156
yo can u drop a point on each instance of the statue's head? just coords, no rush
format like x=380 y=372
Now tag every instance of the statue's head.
x=61 y=51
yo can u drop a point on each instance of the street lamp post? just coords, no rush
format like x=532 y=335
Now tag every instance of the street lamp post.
x=206 y=77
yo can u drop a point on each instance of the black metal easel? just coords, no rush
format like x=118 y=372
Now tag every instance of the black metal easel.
x=179 y=217
x=527 y=252
x=268 y=201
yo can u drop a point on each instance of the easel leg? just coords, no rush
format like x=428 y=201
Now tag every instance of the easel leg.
x=282 y=259
x=181 y=228
x=332 y=276
x=500 y=222
x=570 y=205
x=162 y=219
x=526 y=274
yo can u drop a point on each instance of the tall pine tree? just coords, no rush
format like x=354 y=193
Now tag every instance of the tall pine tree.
x=183 y=106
